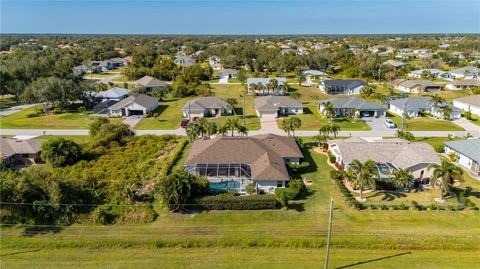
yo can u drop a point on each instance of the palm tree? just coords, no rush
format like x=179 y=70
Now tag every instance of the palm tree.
x=329 y=110
x=365 y=173
x=192 y=131
x=285 y=125
x=334 y=129
x=242 y=130
x=325 y=130
x=402 y=177
x=445 y=174
x=446 y=111
x=231 y=103
x=301 y=78
x=202 y=124
x=321 y=139
x=295 y=123
x=436 y=100
x=405 y=135
x=223 y=130
x=261 y=87
x=211 y=128
x=273 y=85
x=232 y=124
x=253 y=87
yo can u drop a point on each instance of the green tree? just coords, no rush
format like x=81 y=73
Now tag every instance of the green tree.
x=60 y=152
x=436 y=100
x=329 y=110
x=231 y=103
x=405 y=135
x=402 y=177
x=112 y=132
x=272 y=85
x=193 y=131
x=232 y=125
x=365 y=174
x=95 y=126
x=444 y=175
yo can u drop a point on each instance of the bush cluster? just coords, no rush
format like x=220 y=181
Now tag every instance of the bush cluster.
x=230 y=202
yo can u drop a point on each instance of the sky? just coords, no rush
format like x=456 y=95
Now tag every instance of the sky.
x=240 y=17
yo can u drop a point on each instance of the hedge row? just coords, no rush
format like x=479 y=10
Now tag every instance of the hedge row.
x=228 y=202
x=349 y=199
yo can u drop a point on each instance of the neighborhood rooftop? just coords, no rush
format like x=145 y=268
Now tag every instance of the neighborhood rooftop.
x=275 y=102
x=352 y=103
x=471 y=100
x=9 y=147
x=202 y=103
x=469 y=148
x=150 y=82
x=140 y=99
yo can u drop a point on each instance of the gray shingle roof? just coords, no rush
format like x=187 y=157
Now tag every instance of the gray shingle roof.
x=265 y=81
x=202 y=103
x=112 y=93
x=411 y=103
x=273 y=103
x=140 y=99
x=353 y=103
x=9 y=147
x=343 y=84
x=473 y=100
x=150 y=82
x=469 y=148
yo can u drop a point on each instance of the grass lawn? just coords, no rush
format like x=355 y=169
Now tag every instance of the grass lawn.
x=79 y=139
x=66 y=120
x=475 y=120
x=291 y=238
x=101 y=75
x=7 y=101
x=425 y=124
x=169 y=115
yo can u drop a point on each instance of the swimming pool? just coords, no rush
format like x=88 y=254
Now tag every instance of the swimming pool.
x=224 y=186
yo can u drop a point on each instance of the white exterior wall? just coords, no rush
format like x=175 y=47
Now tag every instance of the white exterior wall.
x=399 y=111
x=268 y=186
x=291 y=110
x=465 y=107
x=462 y=159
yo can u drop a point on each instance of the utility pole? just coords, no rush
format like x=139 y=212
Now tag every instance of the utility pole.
x=404 y=115
x=329 y=233
x=243 y=111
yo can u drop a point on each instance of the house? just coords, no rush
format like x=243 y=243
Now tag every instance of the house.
x=313 y=73
x=415 y=86
x=462 y=84
x=184 y=61
x=150 y=83
x=468 y=103
x=101 y=66
x=102 y=108
x=232 y=163
x=214 y=62
x=139 y=104
x=395 y=64
x=353 y=106
x=415 y=107
x=261 y=86
x=389 y=154
x=118 y=62
x=210 y=106
x=81 y=69
x=18 y=153
x=228 y=73
x=277 y=105
x=115 y=94
x=468 y=152
x=431 y=73
x=341 y=86
x=467 y=72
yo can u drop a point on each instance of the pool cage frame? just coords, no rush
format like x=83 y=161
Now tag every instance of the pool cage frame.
x=218 y=170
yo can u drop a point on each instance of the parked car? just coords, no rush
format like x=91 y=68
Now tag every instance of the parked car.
x=184 y=123
x=390 y=124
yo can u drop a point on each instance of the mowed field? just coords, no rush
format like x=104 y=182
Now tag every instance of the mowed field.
x=293 y=238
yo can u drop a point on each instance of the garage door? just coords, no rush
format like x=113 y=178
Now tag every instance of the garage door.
x=367 y=113
x=135 y=112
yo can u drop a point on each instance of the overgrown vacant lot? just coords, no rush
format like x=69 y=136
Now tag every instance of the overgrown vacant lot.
x=67 y=120
x=292 y=238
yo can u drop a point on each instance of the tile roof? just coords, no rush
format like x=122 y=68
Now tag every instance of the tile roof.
x=469 y=148
x=402 y=154
x=265 y=153
x=9 y=147
x=273 y=103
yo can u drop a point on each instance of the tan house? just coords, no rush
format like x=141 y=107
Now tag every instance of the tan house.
x=210 y=106
x=20 y=153
x=277 y=105
x=231 y=163
x=415 y=86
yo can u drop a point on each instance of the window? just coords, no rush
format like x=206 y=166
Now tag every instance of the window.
x=279 y=184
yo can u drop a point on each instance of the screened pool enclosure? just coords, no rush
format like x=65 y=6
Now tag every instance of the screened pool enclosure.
x=224 y=177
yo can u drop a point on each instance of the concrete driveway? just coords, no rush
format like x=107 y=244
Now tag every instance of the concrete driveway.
x=377 y=124
x=132 y=121
x=268 y=123
x=15 y=109
x=223 y=80
x=467 y=125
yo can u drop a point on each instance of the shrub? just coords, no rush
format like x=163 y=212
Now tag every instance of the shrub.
x=296 y=189
x=332 y=158
x=33 y=115
x=440 y=148
x=250 y=188
x=383 y=207
x=60 y=152
x=228 y=202
x=417 y=206
x=373 y=206
x=403 y=206
x=298 y=168
x=282 y=197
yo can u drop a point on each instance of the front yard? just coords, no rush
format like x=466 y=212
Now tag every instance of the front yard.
x=67 y=120
x=425 y=124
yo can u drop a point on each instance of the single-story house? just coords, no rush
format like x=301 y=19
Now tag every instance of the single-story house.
x=434 y=73
x=118 y=62
x=415 y=86
x=20 y=153
x=228 y=73
x=468 y=152
x=139 y=104
x=260 y=86
x=462 y=84
x=210 y=106
x=150 y=83
x=115 y=94
x=214 y=62
x=352 y=105
x=313 y=73
x=351 y=86
x=468 y=103
x=395 y=64
x=102 y=108
x=184 y=61
x=81 y=69
x=101 y=66
x=389 y=154
x=414 y=107
x=277 y=105
x=232 y=163
x=467 y=72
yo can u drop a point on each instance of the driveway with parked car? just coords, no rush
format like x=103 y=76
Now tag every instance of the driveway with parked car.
x=377 y=124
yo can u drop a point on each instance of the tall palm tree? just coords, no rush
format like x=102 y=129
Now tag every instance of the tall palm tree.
x=285 y=125
x=272 y=85
x=445 y=174
x=295 y=123
x=192 y=131
x=334 y=129
x=211 y=128
x=231 y=103
x=253 y=87
x=446 y=111
x=325 y=130
x=365 y=174
x=223 y=130
x=261 y=88
x=436 y=100
x=202 y=124
x=242 y=130
x=329 y=110
x=402 y=177
x=232 y=124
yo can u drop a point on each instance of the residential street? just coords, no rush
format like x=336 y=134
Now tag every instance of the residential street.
x=15 y=109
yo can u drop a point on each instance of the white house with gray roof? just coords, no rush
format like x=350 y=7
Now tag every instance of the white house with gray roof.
x=19 y=153
x=415 y=107
x=415 y=85
x=115 y=94
x=340 y=86
x=184 y=61
x=353 y=106
x=433 y=73
x=468 y=103
x=277 y=105
x=467 y=72
x=468 y=152
x=389 y=154
x=260 y=86
x=210 y=106
x=139 y=104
